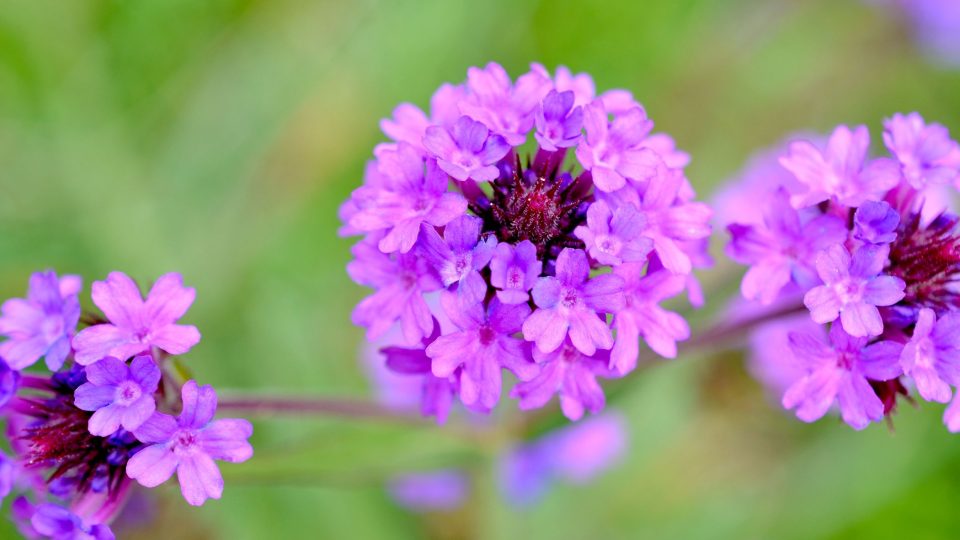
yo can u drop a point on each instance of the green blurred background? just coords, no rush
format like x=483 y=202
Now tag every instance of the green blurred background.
x=218 y=138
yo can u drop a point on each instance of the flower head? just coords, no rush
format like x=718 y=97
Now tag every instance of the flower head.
x=456 y=201
x=189 y=444
x=42 y=324
x=136 y=325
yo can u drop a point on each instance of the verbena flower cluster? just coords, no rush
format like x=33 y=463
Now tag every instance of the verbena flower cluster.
x=867 y=246
x=547 y=256
x=102 y=414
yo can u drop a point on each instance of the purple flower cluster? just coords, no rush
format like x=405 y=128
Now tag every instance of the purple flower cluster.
x=550 y=264
x=866 y=245
x=82 y=432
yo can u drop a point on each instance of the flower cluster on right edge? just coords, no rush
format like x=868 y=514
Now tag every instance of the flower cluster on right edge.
x=869 y=248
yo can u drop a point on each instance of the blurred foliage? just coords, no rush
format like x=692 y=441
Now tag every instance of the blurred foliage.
x=217 y=138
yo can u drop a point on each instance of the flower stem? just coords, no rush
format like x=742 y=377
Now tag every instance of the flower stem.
x=314 y=406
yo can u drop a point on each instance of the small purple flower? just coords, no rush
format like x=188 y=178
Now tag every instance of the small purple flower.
x=507 y=109
x=569 y=373
x=558 y=121
x=433 y=491
x=642 y=316
x=481 y=347
x=580 y=84
x=121 y=395
x=576 y=453
x=927 y=154
x=569 y=303
x=610 y=151
x=852 y=290
x=876 y=223
x=437 y=393
x=136 y=326
x=932 y=356
x=839 y=171
x=781 y=248
x=42 y=324
x=460 y=255
x=9 y=382
x=671 y=223
x=614 y=236
x=411 y=195
x=466 y=150
x=189 y=444
x=514 y=271
x=58 y=523
x=839 y=373
x=400 y=280
x=7 y=474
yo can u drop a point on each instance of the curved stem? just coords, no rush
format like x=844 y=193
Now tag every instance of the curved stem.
x=314 y=406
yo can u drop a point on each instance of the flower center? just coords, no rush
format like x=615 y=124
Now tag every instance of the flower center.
x=487 y=335
x=569 y=297
x=185 y=441
x=849 y=290
x=610 y=245
x=127 y=393
x=514 y=278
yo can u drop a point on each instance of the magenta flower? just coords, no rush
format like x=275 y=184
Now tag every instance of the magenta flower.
x=460 y=255
x=482 y=346
x=56 y=522
x=42 y=324
x=120 y=395
x=400 y=281
x=614 y=236
x=411 y=195
x=569 y=373
x=927 y=154
x=571 y=304
x=671 y=223
x=782 y=248
x=466 y=150
x=932 y=356
x=558 y=121
x=506 y=108
x=611 y=151
x=581 y=84
x=642 y=316
x=840 y=172
x=839 y=373
x=852 y=290
x=514 y=271
x=137 y=325
x=189 y=444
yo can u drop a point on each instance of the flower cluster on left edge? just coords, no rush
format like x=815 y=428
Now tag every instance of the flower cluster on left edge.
x=103 y=414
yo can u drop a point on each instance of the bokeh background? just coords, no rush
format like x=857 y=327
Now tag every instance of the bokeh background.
x=218 y=138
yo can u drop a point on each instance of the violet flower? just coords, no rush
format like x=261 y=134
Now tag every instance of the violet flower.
x=876 y=223
x=611 y=151
x=442 y=490
x=414 y=192
x=839 y=373
x=466 y=150
x=506 y=108
x=571 y=304
x=460 y=255
x=614 y=236
x=642 y=316
x=482 y=346
x=436 y=392
x=514 y=271
x=852 y=290
x=840 y=171
x=9 y=382
x=58 y=523
x=927 y=154
x=932 y=356
x=400 y=280
x=120 y=395
x=782 y=248
x=558 y=121
x=189 y=444
x=569 y=373
x=136 y=325
x=42 y=324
